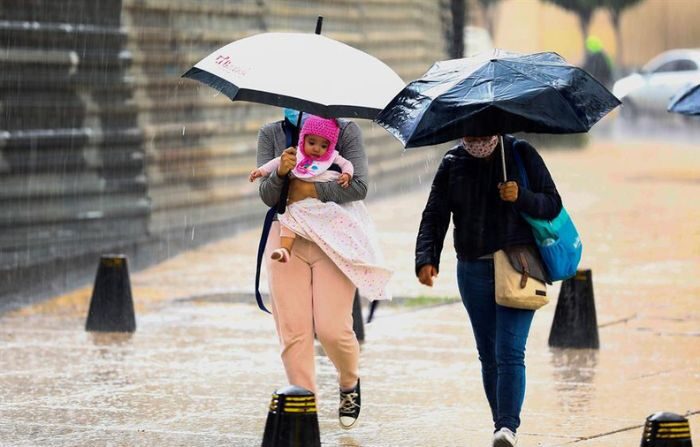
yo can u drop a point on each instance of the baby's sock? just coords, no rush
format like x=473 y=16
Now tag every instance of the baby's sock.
x=280 y=255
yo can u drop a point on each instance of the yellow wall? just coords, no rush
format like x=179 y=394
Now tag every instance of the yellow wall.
x=648 y=28
x=658 y=25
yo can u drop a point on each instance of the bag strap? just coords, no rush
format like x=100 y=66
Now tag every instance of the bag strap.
x=288 y=133
x=292 y=137
x=269 y=218
x=267 y=224
x=526 y=270
x=521 y=165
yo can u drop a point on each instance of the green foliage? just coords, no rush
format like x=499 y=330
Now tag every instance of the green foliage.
x=585 y=8
x=617 y=6
x=581 y=7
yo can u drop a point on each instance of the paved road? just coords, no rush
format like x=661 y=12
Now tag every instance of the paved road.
x=203 y=362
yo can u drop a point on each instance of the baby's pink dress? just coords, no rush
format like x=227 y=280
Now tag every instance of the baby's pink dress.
x=343 y=231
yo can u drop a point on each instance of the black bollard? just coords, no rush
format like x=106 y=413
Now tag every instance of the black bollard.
x=357 y=324
x=292 y=420
x=111 y=305
x=575 y=324
x=666 y=430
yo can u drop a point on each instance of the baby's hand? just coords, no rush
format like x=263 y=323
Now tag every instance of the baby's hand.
x=344 y=180
x=255 y=173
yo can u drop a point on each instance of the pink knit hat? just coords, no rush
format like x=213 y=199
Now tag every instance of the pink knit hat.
x=326 y=128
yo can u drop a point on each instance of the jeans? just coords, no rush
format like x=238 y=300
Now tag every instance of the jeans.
x=501 y=334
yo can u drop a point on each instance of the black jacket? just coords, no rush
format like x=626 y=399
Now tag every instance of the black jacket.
x=467 y=188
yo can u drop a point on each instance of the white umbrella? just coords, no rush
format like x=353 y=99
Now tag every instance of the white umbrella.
x=307 y=72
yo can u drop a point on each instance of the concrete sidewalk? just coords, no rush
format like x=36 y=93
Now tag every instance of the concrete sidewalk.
x=202 y=365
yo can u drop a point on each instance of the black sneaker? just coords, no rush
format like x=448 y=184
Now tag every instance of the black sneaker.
x=349 y=409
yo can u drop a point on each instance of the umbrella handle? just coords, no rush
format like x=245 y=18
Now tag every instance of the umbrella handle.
x=503 y=160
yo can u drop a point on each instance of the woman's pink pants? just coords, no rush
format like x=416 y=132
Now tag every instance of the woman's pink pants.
x=310 y=294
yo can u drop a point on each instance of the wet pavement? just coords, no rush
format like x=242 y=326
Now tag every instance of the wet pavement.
x=203 y=362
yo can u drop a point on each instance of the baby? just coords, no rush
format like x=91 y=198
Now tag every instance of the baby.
x=315 y=155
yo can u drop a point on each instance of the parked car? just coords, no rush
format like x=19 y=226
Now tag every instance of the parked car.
x=648 y=91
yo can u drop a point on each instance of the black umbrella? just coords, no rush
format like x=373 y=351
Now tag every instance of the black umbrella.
x=493 y=94
x=687 y=101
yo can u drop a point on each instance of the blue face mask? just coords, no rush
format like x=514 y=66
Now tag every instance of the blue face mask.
x=291 y=115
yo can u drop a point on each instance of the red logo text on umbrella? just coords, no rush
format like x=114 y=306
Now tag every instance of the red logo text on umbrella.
x=227 y=64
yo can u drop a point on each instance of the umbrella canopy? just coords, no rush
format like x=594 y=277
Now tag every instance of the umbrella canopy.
x=307 y=72
x=496 y=93
x=687 y=101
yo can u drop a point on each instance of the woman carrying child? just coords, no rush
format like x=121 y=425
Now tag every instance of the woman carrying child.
x=326 y=250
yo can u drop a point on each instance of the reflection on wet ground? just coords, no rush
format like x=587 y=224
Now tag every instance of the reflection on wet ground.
x=574 y=372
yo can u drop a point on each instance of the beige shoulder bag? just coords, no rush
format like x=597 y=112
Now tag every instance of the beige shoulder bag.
x=520 y=278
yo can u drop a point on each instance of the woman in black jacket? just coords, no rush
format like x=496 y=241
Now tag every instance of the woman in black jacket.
x=486 y=214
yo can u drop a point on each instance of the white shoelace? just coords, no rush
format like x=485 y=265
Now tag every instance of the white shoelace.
x=347 y=405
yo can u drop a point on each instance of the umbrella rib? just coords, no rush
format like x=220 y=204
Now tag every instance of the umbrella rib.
x=585 y=125
x=417 y=122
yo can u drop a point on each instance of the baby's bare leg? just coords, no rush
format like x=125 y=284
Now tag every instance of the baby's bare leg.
x=286 y=243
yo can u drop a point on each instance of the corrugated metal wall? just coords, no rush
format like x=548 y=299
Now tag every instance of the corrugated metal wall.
x=103 y=145
x=72 y=172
